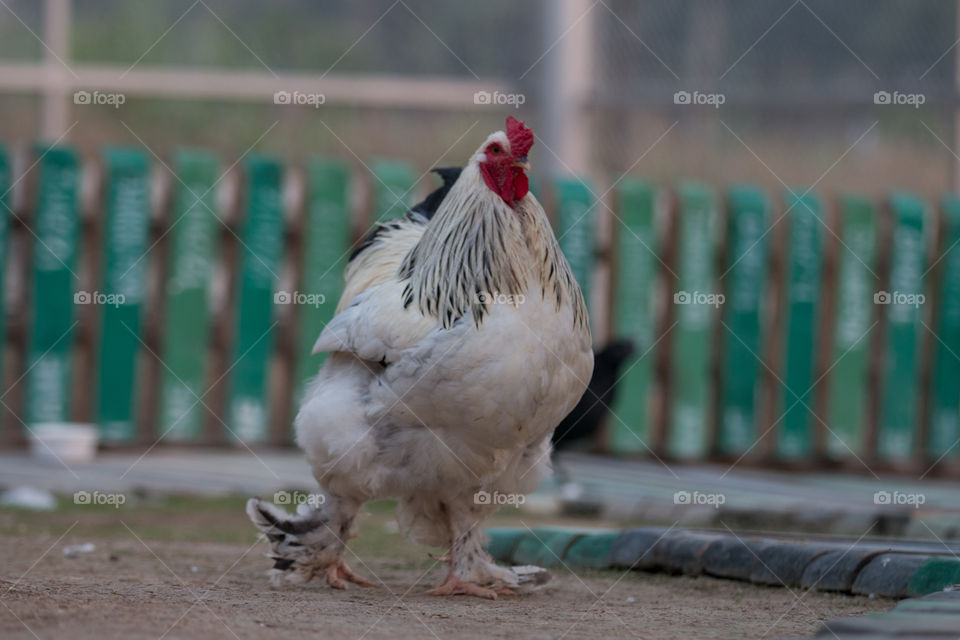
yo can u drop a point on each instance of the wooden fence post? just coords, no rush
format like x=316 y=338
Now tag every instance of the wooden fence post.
x=802 y=292
x=690 y=355
x=943 y=434
x=56 y=227
x=853 y=317
x=634 y=316
x=742 y=339
x=326 y=249
x=902 y=302
x=575 y=213
x=127 y=205
x=260 y=259
x=194 y=246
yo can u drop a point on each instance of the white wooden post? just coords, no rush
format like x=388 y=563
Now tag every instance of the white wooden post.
x=569 y=71
x=569 y=75
x=56 y=37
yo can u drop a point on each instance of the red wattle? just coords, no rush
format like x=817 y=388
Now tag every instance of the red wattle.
x=510 y=183
x=521 y=184
x=489 y=179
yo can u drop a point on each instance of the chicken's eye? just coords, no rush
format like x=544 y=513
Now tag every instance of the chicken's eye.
x=495 y=148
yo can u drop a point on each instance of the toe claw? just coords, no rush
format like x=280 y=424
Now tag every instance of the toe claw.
x=339 y=573
x=347 y=572
x=454 y=587
x=334 y=579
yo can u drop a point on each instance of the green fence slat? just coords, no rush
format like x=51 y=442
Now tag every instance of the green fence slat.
x=943 y=439
x=56 y=228
x=261 y=254
x=194 y=246
x=741 y=341
x=898 y=412
x=694 y=312
x=124 y=283
x=393 y=190
x=5 y=213
x=852 y=322
x=327 y=244
x=801 y=305
x=899 y=383
x=575 y=214
x=634 y=317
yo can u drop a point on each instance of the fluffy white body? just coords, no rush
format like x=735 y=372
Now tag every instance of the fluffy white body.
x=458 y=347
x=464 y=410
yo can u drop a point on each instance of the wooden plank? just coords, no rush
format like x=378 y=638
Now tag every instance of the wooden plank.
x=747 y=270
x=260 y=258
x=393 y=184
x=575 y=214
x=56 y=226
x=902 y=301
x=327 y=247
x=194 y=247
x=801 y=299
x=695 y=307
x=124 y=283
x=635 y=268
x=853 y=317
x=6 y=212
x=943 y=433
x=431 y=93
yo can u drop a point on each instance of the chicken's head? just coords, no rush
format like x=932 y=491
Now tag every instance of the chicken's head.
x=503 y=160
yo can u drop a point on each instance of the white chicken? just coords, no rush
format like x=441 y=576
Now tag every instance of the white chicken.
x=459 y=344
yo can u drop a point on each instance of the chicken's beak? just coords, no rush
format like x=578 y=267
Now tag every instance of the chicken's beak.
x=522 y=163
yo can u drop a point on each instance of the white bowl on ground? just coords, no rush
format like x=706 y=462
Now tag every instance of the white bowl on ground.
x=65 y=441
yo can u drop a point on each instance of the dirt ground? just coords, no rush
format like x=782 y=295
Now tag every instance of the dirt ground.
x=190 y=569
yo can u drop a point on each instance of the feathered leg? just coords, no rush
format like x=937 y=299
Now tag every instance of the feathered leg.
x=306 y=545
x=472 y=570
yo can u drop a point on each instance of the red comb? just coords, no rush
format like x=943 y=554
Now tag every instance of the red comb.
x=520 y=137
